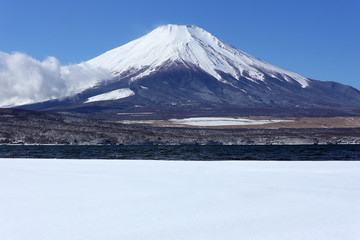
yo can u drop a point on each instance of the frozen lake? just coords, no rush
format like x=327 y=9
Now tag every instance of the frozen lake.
x=42 y=199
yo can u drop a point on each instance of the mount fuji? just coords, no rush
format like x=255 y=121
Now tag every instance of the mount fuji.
x=184 y=71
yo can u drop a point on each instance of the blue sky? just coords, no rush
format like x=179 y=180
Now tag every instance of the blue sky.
x=317 y=39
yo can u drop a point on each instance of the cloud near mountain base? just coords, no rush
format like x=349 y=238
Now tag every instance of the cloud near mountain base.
x=24 y=79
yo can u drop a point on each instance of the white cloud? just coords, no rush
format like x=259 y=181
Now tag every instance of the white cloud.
x=24 y=79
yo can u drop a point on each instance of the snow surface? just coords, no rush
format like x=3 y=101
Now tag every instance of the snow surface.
x=113 y=95
x=189 y=44
x=109 y=199
x=217 y=121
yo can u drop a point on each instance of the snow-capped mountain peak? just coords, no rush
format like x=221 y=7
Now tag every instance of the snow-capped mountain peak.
x=192 y=45
x=178 y=72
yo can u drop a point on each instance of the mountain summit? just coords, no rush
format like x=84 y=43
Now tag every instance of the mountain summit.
x=184 y=71
x=189 y=45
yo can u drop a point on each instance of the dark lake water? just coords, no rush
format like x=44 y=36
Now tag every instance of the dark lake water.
x=298 y=152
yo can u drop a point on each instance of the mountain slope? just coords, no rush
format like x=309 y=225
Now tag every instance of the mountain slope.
x=178 y=71
x=192 y=45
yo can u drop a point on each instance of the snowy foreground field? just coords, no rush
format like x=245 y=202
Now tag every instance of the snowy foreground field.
x=109 y=199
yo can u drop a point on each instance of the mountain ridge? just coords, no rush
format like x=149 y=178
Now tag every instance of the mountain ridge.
x=188 y=44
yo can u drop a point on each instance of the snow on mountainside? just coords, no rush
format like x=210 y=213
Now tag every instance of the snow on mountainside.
x=188 y=44
x=113 y=95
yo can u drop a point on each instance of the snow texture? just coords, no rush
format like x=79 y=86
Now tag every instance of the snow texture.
x=113 y=95
x=217 y=121
x=188 y=44
x=109 y=199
